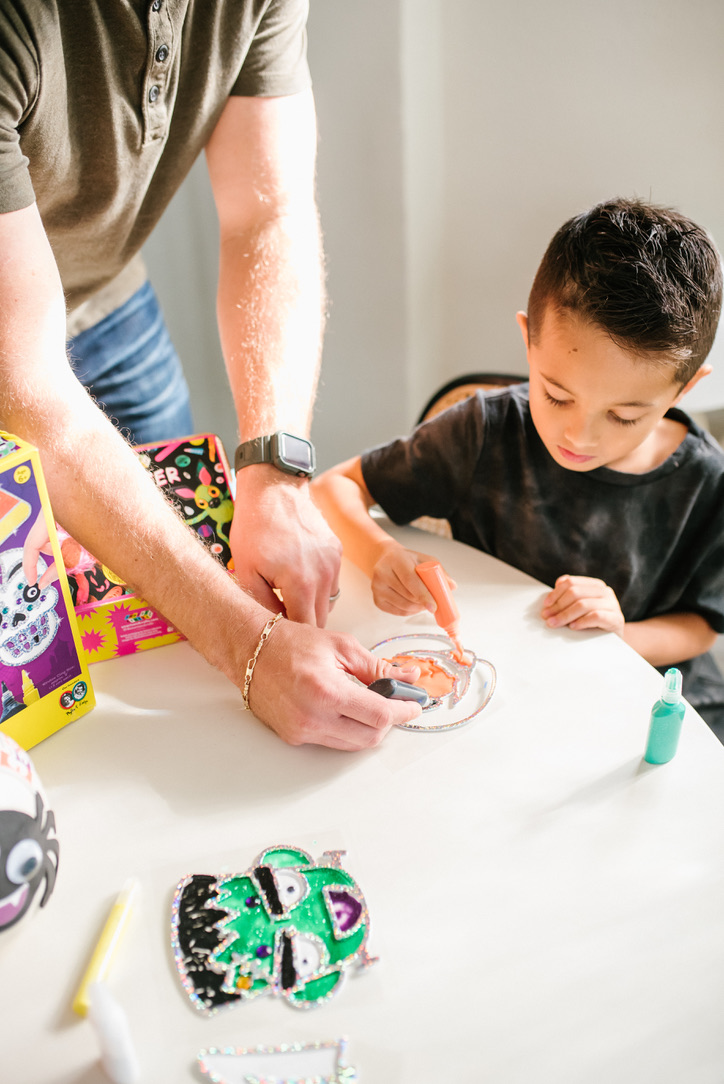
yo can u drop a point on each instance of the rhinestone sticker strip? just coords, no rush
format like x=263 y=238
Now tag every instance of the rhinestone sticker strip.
x=288 y=1063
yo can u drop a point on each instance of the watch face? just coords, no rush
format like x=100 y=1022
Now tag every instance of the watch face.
x=295 y=453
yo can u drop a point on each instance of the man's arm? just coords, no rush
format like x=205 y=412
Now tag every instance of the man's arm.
x=103 y=496
x=261 y=160
x=99 y=491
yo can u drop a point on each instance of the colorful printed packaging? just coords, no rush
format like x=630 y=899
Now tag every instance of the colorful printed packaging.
x=194 y=475
x=44 y=678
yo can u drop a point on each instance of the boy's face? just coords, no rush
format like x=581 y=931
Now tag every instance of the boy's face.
x=594 y=404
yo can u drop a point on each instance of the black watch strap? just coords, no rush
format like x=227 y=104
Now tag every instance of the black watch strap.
x=288 y=453
x=257 y=450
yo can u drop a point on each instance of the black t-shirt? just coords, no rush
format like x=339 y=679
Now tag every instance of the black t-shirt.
x=657 y=538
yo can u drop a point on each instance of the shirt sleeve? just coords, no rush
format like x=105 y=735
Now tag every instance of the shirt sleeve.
x=693 y=580
x=430 y=472
x=276 y=64
x=702 y=587
x=18 y=87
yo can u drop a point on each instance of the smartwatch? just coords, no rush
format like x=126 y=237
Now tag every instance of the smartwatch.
x=293 y=455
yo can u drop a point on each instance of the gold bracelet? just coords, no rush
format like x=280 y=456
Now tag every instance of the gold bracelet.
x=265 y=634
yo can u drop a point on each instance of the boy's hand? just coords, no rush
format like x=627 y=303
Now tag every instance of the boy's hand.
x=396 y=587
x=581 y=602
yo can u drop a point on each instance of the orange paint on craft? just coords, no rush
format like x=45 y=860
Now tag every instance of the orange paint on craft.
x=459 y=653
x=434 y=679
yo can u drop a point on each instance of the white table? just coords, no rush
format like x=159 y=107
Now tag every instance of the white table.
x=547 y=909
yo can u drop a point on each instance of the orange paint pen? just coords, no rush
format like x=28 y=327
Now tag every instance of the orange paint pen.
x=447 y=614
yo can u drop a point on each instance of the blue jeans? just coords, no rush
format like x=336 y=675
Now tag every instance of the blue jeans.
x=129 y=365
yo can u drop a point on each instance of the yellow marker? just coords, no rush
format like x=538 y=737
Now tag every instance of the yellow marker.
x=30 y=692
x=105 y=950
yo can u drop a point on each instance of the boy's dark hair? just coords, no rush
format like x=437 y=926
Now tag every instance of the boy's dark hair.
x=648 y=276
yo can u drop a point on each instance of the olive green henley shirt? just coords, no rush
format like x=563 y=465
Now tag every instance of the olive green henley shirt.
x=105 y=105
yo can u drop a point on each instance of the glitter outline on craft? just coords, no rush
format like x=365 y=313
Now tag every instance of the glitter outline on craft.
x=289 y=927
x=342 y=1072
x=446 y=660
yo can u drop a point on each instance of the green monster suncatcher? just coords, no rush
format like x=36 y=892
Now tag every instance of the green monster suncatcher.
x=289 y=926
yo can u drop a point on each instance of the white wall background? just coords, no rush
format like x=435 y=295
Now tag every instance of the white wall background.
x=455 y=137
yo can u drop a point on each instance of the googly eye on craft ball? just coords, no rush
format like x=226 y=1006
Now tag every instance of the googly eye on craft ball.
x=29 y=845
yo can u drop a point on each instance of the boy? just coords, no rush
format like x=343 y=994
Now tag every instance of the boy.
x=588 y=476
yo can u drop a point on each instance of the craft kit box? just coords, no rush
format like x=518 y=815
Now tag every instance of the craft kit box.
x=194 y=475
x=43 y=671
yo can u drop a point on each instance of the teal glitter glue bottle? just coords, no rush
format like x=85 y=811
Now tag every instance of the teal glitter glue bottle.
x=667 y=715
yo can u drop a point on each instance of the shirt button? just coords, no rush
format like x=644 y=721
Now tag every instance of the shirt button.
x=161 y=53
x=154 y=93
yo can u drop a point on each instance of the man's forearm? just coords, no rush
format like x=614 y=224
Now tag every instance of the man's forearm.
x=98 y=490
x=271 y=316
x=261 y=160
x=102 y=495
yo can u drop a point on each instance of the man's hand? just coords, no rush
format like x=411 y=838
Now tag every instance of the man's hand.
x=302 y=690
x=581 y=602
x=396 y=587
x=281 y=541
x=37 y=541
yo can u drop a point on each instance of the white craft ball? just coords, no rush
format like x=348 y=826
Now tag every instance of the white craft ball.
x=28 y=843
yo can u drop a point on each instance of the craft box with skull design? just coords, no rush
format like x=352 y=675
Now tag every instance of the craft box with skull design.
x=44 y=676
